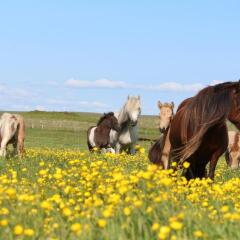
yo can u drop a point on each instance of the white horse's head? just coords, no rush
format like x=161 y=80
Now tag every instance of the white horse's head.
x=165 y=115
x=133 y=109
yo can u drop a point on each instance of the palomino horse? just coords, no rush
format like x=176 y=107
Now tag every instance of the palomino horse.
x=165 y=115
x=99 y=136
x=203 y=136
x=128 y=118
x=156 y=153
x=12 y=131
x=232 y=155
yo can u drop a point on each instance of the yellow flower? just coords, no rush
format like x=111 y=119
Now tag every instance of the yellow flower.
x=186 y=164
x=164 y=232
x=46 y=205
x=176 y=225
x=174 y=164
x=149 y=209
x=107 y=213
x=29 y=232
x=198 y=233
x=11 y=192
x=18 y=230
x=76 y=228
x=224 y=208
x=137 y=203
x=4 y=222
x=155 y=226
x=142 y=150
x=66 y=212
x=101 y=223
x=127 y=211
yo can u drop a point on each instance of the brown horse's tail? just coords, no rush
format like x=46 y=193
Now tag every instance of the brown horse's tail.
x=21 y=135
x=155 y=152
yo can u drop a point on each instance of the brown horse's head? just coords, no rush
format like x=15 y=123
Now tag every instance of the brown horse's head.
x=110 y=121
x=165 y=115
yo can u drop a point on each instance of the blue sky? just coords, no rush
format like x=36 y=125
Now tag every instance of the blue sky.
x=89 y=55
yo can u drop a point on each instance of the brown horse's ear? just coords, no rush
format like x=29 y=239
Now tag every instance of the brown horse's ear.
x=159 y=104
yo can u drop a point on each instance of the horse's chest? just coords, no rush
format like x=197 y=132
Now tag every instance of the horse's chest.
x=125 y=137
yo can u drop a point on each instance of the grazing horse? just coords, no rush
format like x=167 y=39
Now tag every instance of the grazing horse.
x=156 y=153
x=98 y=136
x=12 y=131
x=165 y=115
x=202 y=136
x=127 y=117
x=232 y=154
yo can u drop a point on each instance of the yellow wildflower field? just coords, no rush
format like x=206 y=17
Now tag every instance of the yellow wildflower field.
x=71 y=194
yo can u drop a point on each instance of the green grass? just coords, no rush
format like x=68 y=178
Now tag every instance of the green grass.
x=79 y=178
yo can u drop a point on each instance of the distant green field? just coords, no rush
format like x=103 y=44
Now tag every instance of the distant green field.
x=68 y=130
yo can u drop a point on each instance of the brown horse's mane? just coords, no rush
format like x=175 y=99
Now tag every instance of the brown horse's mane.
x=105 y=116
x=208 y=108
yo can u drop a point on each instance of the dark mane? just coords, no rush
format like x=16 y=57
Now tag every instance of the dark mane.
x=208 y=108
x=105 y=116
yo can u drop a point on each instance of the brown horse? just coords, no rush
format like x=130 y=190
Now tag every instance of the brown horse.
x=98 y=136
x=202 y=136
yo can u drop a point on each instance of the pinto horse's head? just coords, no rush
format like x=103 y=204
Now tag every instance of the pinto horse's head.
x=110 y=121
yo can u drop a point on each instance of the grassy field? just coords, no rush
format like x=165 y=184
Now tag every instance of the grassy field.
x=68 y=130
x=60 y=191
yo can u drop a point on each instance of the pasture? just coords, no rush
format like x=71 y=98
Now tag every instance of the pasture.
x=60 y=191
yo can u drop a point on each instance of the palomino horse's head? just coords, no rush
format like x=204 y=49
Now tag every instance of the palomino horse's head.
x=110 y=121
x=165 y=115
x=133 y=109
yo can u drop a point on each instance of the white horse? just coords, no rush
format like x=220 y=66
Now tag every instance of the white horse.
x=12 y=130
x=127 y=119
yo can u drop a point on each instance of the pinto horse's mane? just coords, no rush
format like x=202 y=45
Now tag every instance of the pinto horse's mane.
x=208 y=108
x=104 y=117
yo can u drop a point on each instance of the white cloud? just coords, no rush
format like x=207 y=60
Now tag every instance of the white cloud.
x=77 y=104
x=40 y=108
x=173 y=87
x=106 y=83
x=100 y=83
x=214 y=82
x=13 y=92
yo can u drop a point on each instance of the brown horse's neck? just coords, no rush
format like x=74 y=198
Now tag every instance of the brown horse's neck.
x=104 y=128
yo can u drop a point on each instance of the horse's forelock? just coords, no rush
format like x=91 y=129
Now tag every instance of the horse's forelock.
x=133 y=103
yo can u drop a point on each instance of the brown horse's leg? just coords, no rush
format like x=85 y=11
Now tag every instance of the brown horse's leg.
x=166 y=151
x=213 y=164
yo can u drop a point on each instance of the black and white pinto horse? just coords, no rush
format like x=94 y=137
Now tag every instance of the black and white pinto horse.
x=98 y=136
x=127 y=117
